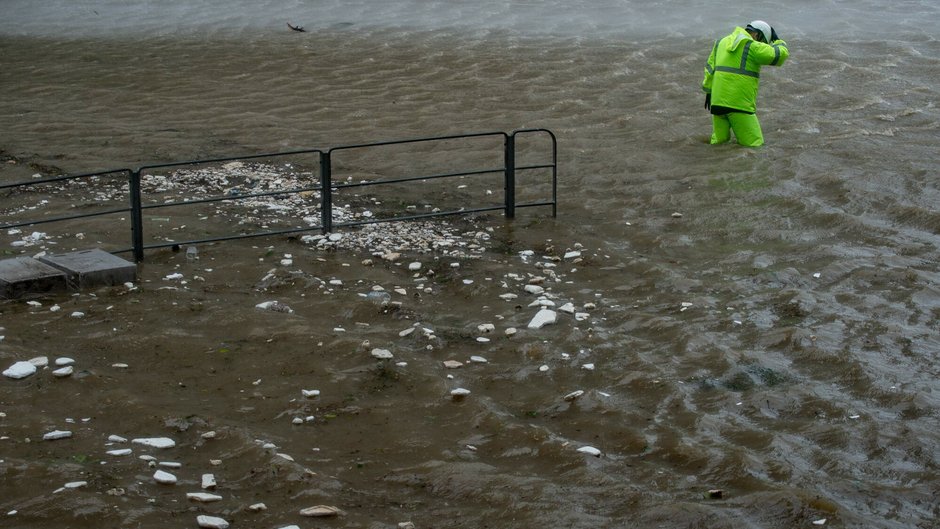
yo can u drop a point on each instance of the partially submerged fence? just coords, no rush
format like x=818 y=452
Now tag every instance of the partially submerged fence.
x=328 y=183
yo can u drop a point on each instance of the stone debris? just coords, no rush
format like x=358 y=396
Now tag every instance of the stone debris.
x=155 y=442
x=574 y=395
x=542 y=318
x=590 y=450
x=321 y=511
x=40 y=361
x=486 y=327
x=20 y=370
x=274 y=306
x=63 y=372
x=211 y=522
x=57 y=434
x=208 y=481
x=164 y=478
x=382 y=354
x=459 y=393
x=203 y=497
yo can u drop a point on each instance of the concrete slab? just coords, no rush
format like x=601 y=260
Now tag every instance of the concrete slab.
x=92 y=268
x=24 y=275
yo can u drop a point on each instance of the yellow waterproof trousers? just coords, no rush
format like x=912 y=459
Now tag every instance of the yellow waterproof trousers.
x=745 y=126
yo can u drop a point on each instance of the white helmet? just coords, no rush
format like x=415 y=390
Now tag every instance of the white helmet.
x=763 y=28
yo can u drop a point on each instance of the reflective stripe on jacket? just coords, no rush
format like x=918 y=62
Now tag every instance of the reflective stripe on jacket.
x=732 y=73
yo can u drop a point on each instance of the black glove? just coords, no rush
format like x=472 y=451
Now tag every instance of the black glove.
x=708 y=101
x=773 y=35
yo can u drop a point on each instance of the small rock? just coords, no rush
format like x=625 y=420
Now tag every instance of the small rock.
x=155 y=442
x=310 y=393
x=478 y=359
x=459 y=393
x=75 y=484
x=590 y=450
x=574 y=395
x=20 y=370
x=57 y=434
x=715 y=494
x=208 y=481
x=321 y=511
x=414 y=267
x=511 y=331
x=211 y=522
x=258 y=507
x=40 y=361
x=534 y=289
x=567 y=307
x=116 y=439
x=452 y=364
x=274 y=306
x=203 y=497
x=486 y=327
x=382 y=354
x=63 y=372
x=164 y=478
x=542 y=318
x=120 y=452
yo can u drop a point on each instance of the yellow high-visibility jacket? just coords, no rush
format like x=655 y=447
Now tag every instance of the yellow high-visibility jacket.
x=732 y=72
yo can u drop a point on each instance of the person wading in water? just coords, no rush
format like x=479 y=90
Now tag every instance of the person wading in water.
x=732 y=75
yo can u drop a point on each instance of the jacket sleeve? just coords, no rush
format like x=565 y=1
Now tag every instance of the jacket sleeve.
x=774 y=54
x=710 y=70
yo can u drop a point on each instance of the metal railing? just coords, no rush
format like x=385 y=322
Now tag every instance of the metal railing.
x=326 y=187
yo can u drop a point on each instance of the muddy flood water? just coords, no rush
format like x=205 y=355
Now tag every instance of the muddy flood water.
x=741 y=338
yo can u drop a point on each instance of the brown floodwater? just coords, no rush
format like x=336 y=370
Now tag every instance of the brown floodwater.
x=762 y=322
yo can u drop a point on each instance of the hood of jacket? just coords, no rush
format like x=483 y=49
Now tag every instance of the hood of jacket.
x=739 y=35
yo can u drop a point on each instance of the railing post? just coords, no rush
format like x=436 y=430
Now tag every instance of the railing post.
x=510 y=176
x=326 y=192
x=137 y=217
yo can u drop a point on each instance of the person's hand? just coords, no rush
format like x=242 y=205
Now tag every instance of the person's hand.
x=708 y=101
x=773 y=35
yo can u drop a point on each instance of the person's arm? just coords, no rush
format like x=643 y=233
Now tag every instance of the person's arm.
x=709 y=75
x=773 y=54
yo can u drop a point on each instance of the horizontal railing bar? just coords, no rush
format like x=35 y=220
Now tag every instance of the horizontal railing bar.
x=121 y=172
x=413 y=178
x=225 y=198
x=67 y=217
x=231 y=237
x=545 y=166
x=229 y=159
x=417 y=140
x=418 y=217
